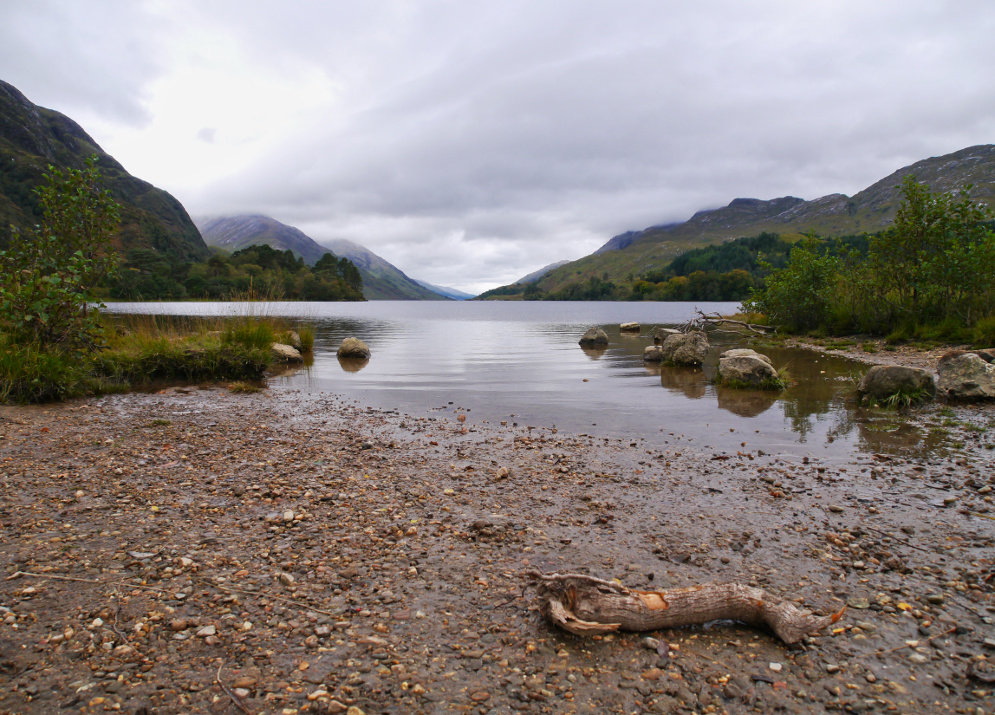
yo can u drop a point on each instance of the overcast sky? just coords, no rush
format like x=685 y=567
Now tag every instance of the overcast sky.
x=470 y=142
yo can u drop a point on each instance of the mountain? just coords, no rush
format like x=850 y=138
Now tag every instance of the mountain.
x=634 y=253
x=381 y=280
x=386 y=282
x=445 y=292
x=32 y=138
x=233 y=233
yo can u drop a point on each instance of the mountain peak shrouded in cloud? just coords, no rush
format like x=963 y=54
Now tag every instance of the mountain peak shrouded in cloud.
x=381 y=280
x=472 y=142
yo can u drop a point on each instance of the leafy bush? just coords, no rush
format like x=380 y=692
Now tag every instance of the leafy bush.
x=799 y=296
x=48 y=277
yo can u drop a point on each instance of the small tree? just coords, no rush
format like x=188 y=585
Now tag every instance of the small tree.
x=800 y=295
x=48 y=276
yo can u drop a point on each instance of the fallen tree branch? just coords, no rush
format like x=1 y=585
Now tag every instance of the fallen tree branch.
x=584 y=605
x=716 y=320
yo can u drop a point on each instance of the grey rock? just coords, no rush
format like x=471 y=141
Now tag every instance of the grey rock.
x=661 y=334
x=748 y=369
x=353 y=348
x=740 y=352
x=686 y=348
x=966 y=376
x=882 y=381
x=294 y=338
x=629 y=327
x=285 y=353
x=653 y=353
x=594 y=337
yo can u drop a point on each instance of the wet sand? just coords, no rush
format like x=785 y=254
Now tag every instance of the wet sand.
x=196 y=551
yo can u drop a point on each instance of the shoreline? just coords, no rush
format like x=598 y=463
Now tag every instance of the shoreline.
x=321 y=554
x=903 y=355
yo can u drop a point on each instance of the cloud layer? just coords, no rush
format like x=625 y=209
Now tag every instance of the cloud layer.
x=471 y=143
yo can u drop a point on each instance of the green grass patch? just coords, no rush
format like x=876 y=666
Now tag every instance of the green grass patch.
x=839 y=344
x=141 y=350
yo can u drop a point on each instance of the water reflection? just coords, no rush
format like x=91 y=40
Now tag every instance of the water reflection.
x=745 y=403
x=688 y=381
x=352 y=364
x=500 y=359
x=594 y=353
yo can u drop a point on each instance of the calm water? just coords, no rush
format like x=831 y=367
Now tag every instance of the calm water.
x=520 y=362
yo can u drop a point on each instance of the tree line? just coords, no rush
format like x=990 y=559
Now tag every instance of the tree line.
x=257 y=270
x=929 y=275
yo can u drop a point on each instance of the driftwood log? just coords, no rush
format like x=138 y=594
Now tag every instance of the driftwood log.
x=586 y=606
x=729 y=325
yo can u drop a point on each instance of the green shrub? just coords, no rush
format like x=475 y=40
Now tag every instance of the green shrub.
x=28 y=374
x=48 y=277
x=984 y=332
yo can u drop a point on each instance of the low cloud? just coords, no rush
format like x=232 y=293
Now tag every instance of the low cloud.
x=470 y=144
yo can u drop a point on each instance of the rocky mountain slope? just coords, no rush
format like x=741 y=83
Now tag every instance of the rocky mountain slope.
x=636 y=252
x=381 y=280
x=32 y=138
x=387 y=282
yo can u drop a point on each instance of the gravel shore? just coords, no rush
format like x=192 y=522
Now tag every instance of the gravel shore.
x=196 y=551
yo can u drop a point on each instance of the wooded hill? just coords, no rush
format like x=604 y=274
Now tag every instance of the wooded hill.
x=32 y=138
x=626 y=258
x=381 y=279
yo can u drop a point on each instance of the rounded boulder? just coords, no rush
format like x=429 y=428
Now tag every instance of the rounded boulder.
x=353 y=348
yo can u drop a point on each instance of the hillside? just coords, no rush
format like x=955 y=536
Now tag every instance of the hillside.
x=635 y=253
x=386 y=281
x=381 y=280
x=233 y=233
x=32 y=138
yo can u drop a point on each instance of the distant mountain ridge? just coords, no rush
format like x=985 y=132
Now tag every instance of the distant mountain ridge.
x=444 y=291
x=381 y=280
x=872 y=209
x=32 y=138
